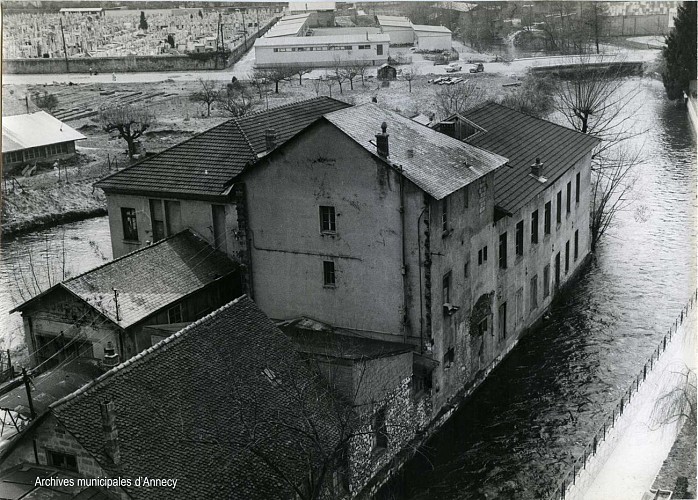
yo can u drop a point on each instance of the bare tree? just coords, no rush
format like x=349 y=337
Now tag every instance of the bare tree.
x=451 y=99
x=350 y=73
x=236 y=99
x=128 y=120
x=259 y=82
x=595 y=99
x=275 y=75
x=317 y=85
x=679 y=403
x=361 y=68
x=329 y=81
x=300 y=71
x=410 y=73
x=339 y=74
x=207 y=95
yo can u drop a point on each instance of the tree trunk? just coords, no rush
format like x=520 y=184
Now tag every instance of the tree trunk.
x=277 y=87
x=131 y=146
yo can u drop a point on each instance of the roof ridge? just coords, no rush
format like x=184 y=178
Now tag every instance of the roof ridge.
x=146 y=247
x=289 y=104
x=244 y=135
x=139 y=358
x=148 y=158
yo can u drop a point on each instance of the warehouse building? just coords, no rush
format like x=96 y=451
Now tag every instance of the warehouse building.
x=321 y=51
x=294 y=25
x=429 y=37
x=399 y=28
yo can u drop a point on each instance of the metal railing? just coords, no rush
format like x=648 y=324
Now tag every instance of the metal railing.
x=569 y=479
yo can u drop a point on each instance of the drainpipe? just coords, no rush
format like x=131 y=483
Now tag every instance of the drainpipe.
x=404 y=252
x=419 y=264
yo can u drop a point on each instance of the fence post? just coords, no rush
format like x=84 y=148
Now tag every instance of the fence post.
x=644 y=372
x=665 y=343
x=621 y=407
x=594 y=446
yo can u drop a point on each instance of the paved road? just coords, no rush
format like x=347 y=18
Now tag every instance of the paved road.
x=243 y=68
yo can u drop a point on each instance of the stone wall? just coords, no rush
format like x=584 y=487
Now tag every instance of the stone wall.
x=131 y=64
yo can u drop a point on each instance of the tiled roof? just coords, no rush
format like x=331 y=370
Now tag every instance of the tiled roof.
x=438 y=164
x=35 y=129
x=204 y=164
x=523 y=138
x=312 y=337
x=150 y=278
x=187 y=408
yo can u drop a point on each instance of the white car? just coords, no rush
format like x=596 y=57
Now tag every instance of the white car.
x=453 y=67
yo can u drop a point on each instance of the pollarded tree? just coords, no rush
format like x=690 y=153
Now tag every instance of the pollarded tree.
x=680 y=52
x=129 y=121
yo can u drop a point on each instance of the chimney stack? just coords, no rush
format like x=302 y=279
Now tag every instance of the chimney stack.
x=382 y=142
x=111 y=433
x=111 y=357
x=270 y=139
x=537 y=168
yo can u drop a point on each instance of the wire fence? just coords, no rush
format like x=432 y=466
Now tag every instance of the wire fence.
x=590 y=450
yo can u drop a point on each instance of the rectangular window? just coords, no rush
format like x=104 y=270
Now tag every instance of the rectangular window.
x=379 y=49
x=519 y=306
x=503 y=321
x=576 y=245
x=576 y=187
x=546 y=281
x=328 y=273
x=174 y=314
x=449 y=357
x=444 y=215
x=128 y=220
x=62 y=460
x=559 y=207
x=380 y=431
x=157 y=216
x=466 y=200
x=533 y=293
x=534 y=227
x=503 y=250
x=569 y=197
x=484 y=253
x=567 y=256
x=520 y=238
x=446 y=296
x=479 y=257
x=328 y=222
x=547 y=218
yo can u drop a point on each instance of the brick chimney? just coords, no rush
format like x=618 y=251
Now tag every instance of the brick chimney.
x=270 y=139
x=537 y=168
x=382 y=142
x=111 y=357
x=111 y=433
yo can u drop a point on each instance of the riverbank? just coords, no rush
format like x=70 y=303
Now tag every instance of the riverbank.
x=29 y=209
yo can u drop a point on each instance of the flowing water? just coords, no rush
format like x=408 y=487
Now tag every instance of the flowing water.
x=31 y=262
x=530 y=419
x=527 y=423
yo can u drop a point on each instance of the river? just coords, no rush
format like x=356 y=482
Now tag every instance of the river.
x=522 y=429
x=530 y=419
x=85 y=244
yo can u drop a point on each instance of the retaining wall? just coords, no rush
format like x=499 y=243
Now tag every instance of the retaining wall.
x=658 y=377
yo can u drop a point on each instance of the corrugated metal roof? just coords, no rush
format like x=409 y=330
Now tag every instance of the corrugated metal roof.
x=310 y=41
x=399 y=21
x=437 y=163
x=523 y=138
x=204 y=164
x=33 y=130
x=430 y=28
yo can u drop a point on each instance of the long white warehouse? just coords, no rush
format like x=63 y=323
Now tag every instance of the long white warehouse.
x=430 y=37
x=321 y=51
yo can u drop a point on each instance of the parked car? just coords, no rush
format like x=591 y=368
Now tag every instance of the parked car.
x=477 y=68
x=453 y=67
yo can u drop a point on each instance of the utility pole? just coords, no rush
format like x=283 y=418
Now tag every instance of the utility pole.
x=65 y=51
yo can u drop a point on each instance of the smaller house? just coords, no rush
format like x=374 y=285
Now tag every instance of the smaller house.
x=399 y=29
x=36 y=137
x=387 y=72
x=225 y=407
x=178 y=279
